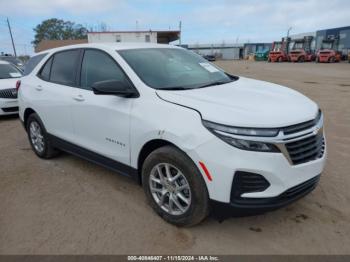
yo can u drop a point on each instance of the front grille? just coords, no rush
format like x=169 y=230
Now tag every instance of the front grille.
x=246 y=182
x=302 y=126
x=307 y=149
x=10 y=93
x=10 y=109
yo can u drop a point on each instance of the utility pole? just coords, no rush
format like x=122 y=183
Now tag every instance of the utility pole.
x=13 y=44
x=180 y=27
x=289 y=29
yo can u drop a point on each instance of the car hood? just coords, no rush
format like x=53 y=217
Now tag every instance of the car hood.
x=8 y=83
x=246 y=103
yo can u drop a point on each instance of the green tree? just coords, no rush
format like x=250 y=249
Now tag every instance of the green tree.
x=58 y=29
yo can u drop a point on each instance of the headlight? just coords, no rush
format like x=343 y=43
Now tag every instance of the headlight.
x=244 y=144
x=241 y=131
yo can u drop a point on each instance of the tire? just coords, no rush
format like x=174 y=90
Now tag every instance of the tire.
x=280 y=59
x=46 y=150
x=197 y=195
x=269 y=60
x=332 y=59
x=317 y=60
x=301 y=59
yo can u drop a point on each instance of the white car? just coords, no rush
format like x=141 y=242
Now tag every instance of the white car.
x=197 y=138
x=9 y=76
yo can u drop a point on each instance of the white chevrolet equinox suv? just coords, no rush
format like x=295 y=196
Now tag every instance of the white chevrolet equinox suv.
x=197 y=139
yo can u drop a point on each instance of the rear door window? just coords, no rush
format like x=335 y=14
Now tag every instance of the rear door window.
x=64 y=67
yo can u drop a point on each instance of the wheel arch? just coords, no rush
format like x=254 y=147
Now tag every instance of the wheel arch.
x=27 y=112
x=147 y=149
x=152 y=145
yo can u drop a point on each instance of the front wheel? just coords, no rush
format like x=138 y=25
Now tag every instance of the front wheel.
x=174 y=187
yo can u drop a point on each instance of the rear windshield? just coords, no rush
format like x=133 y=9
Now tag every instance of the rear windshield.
x=9 y=71
x=32 y=63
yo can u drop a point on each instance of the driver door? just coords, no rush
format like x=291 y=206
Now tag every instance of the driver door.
x=101 y=122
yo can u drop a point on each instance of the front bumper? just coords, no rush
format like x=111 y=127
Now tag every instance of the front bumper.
x=240 y=206
x=280 y=171
x=224 y=161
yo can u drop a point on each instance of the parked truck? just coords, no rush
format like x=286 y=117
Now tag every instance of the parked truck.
x=329 y=51
x=279 y=52
x=301 y=50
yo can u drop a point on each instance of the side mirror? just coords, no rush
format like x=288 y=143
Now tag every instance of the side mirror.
x=114 y=87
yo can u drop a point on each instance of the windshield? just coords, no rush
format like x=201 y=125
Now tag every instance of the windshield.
x=173 y=69
x=277 y=47
x=326 y=46
x=9 y=71
x=299 y=45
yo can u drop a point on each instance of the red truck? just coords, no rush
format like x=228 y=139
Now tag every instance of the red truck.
x=328 y=52
x=301 y=50
x=279 y=52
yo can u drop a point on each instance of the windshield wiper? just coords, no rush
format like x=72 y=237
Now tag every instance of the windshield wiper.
x=214 y=84
x=188 y=88
x=174 y=88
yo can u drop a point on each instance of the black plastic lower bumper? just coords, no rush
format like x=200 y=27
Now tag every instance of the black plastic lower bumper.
x=240 y=206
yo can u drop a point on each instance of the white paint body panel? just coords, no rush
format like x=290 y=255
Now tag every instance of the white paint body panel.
x=176 y=116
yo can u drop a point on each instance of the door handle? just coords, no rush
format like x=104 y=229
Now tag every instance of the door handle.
x=78 y=98
x=39 y=88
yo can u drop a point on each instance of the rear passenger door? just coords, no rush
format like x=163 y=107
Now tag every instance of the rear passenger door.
x=101 y=122
x=54 y=90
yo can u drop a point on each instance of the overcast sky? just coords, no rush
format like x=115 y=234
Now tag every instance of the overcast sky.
x=203 y=21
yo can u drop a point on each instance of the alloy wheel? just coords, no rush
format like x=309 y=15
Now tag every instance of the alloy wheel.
x=36 y=136
x=170 y=189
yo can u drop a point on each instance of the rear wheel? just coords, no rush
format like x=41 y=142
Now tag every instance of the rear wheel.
x=38 y=138
x=174 y=187
x=332 y=59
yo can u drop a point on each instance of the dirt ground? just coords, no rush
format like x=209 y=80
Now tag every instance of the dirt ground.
x=70 y=206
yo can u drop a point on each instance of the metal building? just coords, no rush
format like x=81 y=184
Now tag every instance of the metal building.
x=342 y=34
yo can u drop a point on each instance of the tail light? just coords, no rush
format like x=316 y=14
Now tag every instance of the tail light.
x=18 y=85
